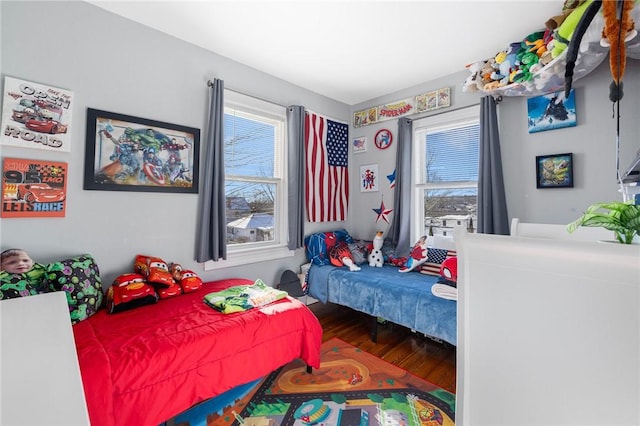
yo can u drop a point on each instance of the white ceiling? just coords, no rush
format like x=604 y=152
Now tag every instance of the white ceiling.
x=350 y=51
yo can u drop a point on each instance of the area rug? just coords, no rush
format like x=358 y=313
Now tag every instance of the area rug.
x=351 y=387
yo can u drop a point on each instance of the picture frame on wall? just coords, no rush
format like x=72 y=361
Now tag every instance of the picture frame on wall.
x=126 y=153
x=369 y=179
x=551 y=111
x=554 y=171
x=359 y=144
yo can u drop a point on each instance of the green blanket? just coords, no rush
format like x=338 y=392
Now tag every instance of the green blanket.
x=243 y=297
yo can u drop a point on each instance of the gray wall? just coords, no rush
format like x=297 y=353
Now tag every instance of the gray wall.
x=592 y=142
x=114 y=64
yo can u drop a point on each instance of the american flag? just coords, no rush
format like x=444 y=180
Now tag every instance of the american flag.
x=327 y=174
x=435 y=257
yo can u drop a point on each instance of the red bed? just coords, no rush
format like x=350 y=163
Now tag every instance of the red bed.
x=145 y=366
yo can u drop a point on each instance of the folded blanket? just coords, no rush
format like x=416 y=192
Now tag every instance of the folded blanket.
x=445 y=291
x=243 y=297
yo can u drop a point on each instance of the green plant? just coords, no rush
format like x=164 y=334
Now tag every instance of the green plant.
x=621 y=218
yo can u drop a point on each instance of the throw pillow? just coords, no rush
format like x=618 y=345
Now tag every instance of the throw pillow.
x=79 y=277
x=129 y=291
x=190 y=281
x=154 y=270
x=317 y=245
x=435 y=257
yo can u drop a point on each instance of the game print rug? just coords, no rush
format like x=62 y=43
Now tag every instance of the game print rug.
x=351 y=387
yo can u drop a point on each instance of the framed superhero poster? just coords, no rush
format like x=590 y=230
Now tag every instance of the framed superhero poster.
x=126 y=153
x=36 y=116
x=33 y=188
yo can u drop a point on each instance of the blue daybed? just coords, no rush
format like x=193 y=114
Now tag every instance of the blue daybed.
x=402 y=298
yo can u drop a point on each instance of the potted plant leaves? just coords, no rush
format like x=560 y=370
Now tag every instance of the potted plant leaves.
x=623 y=218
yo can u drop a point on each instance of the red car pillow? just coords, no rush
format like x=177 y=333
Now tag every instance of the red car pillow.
x=171 y=291
x=190 y=281
x=129 y=291
x=154 y=269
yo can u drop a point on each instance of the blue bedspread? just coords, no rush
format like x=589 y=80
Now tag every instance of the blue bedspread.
x=402 y=298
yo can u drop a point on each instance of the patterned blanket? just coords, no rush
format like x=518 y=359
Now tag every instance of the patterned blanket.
x=243 y=297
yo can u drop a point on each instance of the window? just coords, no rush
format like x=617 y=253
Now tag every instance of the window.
x=446 y=155
x=255 y=179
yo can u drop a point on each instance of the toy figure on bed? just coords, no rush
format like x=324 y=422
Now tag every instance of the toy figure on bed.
x=417 y=256
x=185 y=279
x=340 y=255
x=129 y=291
x=376 y=258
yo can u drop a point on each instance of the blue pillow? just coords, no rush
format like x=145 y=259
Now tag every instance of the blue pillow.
x=316 y=245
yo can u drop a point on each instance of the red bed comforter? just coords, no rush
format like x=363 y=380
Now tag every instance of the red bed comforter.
x=145 y=366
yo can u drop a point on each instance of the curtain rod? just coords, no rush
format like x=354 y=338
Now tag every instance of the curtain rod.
x=210 y=84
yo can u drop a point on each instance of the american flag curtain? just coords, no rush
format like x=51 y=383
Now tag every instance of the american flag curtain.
x=327 y=174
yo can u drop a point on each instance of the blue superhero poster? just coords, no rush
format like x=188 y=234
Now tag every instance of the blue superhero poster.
x=551 y=111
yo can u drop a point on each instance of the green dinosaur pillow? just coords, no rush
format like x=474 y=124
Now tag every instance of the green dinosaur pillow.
x=79 y=277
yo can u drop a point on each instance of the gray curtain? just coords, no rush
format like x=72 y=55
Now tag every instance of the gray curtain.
x=295 y=181
x=492 y=204
x=211 y=233
x=400 y=230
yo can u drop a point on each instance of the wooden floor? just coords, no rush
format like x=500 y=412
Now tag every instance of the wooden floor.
x=434 y=362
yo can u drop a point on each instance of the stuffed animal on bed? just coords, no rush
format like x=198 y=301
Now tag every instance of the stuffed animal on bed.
x=417 y=256
x=154 y=270
x=190 y=281
x=376 y=258
x=129 y=291
x=340 y=255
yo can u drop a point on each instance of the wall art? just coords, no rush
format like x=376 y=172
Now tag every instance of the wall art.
x=369 y=178
x=554 y=171
x=551 y=111
x=33 y=188
x=36 y=116
x=359 y=144
x=383 y=139
x=126 y=153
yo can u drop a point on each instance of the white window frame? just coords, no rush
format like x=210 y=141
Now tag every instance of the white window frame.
x=422 y=126
x=261 y=251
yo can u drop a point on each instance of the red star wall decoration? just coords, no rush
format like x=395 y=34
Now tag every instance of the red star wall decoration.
x=382 y=212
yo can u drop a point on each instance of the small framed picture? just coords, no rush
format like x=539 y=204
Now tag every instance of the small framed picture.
x=554 y=171
x=369 y=178
x=359 y=144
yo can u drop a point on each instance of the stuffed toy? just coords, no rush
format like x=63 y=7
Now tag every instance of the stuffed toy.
x=176 y=271
x=616 y=33
x=449 y=269
x=166 y=292
x=129 y=291
x=568 y=7
x=376 y=258
x=471 y=84
x=189 y=281
x=340 y=255
x=154 y=270
x=618 y=29
x=564 y=33
x=418 y=255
